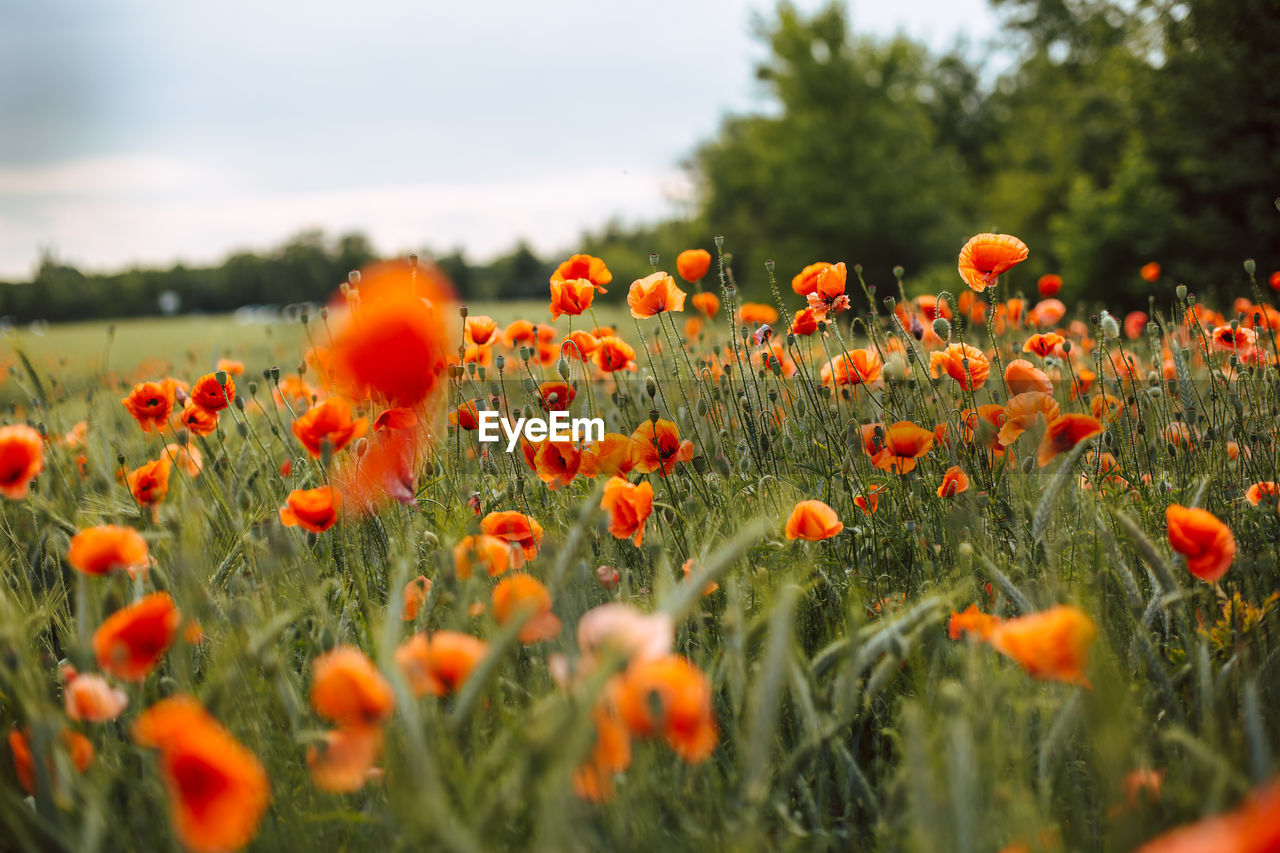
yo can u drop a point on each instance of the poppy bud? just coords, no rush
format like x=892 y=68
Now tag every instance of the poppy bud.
x=362 y=446
x=607 y=576
x=1066 y=346
x=942 y=328
x=462 y=310
x=324 y=312
x=653 y=416
x=471 y=368
x=1181 y=291
x=702 y=407
x=700 y=464
x=898 y=271
x=651 y=388
x=1250 y=267
x=562 y=367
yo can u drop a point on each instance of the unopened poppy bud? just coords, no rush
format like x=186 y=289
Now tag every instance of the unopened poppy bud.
x=562 y=367
x=1181 y=291
x=898 y=272
x=1250 y=267
x=253 y=388
x=719 y=241
x=701 y=407
x=305 y=316
x=221 y=378
x=362 y=446
x=653 y=416
x=1066 y=346
x=857 y=268
x=650 y=387
x=607 y=576
x=525 y=353
x=239 y=401
x=941 y=327
x=119 y=458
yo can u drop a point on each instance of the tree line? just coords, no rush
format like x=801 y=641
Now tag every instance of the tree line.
x=1119 y=133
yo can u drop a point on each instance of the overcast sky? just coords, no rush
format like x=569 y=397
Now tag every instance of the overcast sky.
x=151 y=130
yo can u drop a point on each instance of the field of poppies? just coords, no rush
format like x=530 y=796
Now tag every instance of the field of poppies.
x=978 y=570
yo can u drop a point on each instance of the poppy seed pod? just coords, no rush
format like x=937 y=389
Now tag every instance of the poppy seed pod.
x=898 y=272
x=942 y=328
x=1250 y=267
x=1181 y=291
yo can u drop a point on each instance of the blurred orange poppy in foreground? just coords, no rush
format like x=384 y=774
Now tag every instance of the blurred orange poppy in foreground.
x=671 y=697
x=79 y=747
x=439 y=664
x=692 y=264
x=1053 y=644
x=494 y=555
x=348 y=689
x=21 y=459
x=1251 y=828
x=91 y=697
x=972 y=622
x=521 y=596
x=218 y=789
x=396 y=347
x=1205 y=541
x=986 y=256
x=132 y=640
x=814 y=521
x=103 y=549
x=1066 y=432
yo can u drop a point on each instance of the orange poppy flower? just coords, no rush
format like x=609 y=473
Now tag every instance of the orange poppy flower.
x=964 y=363
x=828 y=290
x=1083 y=383
x=806 y=281
x=91 y=697
x=415 y=595
x=580 y=345
x=814 y=521
x=692 y=264
x=904 y=443
x=983 y=425
x=1046 y=312
x=555 y=396
x=1053 y=644
x=441 y=663
x=614 y=456
x=1106 y=407
x=149 y=482
x=395 y=418
x=345 y=760
x=1150 y=272
x=1239 y=340
x=208 y=393
x=480 y=329
x=150 y=403
x=805 y=322
x=295 y=391
x=103 y=549
x=556 y=463
x=1251 y=828
x=132 y=640
x=491 y=553
x=588 y=267
x=515 y=527
x=1205 y=541
x=687 y=569
x=218 y=790
x=1043 y=344
x=1022 y=377
x=653 y=294
x=520 y=332
x=1064 y=433
x=346 y=688
x=615 y=354
x=854 y=367
x=670 y=697
x=972 y=622
x=629 y=506
x=658 y=447
x=986 y=256
x=954 y=481
x=756 y=313
x=21 y=459
x=231 y=366
x=1049 y=284
x=1021 y=412
x=77 y=746
x=1255 y=493
x=571 y=297
x=197 y=419
x=869 y=501
x=521 y=596
x=328 y=421
x=315 y=510
x=706 y=303
x=1179 y=434
x=397 y=346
